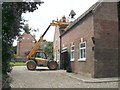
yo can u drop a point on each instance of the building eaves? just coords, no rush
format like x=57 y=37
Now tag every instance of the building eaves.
x=71 y=25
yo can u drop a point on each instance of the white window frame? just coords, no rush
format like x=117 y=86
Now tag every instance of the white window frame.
x=64 y=49
x=84 y=52
x=72 y=51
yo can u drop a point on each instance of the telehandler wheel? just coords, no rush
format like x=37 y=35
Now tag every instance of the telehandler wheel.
x=52 y=65
x=31 y=65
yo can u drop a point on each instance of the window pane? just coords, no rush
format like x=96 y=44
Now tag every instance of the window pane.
x=72 y=48
x=82 y=45
x=84 y=53
x=81 y=55
x=72 y=53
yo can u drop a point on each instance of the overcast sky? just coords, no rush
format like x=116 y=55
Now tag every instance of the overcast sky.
x=53 y=9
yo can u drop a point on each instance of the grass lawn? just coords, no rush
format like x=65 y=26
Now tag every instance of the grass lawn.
x=17 y=63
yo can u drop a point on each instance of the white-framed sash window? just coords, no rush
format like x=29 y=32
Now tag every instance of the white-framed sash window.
x=82 y=51
x=72 y=53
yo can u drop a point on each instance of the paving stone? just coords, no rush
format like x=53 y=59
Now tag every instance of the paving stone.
x=45 y=78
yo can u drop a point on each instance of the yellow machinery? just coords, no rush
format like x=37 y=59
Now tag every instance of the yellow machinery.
x=37 y=57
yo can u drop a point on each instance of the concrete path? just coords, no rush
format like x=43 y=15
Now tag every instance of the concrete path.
x=93 y=80
x=44 y=78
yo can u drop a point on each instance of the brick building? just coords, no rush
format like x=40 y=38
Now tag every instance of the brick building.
x=56 y=44
x=25 y=44
x=90 y=44
x=56 y=41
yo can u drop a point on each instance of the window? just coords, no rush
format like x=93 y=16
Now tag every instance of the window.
x=40 y=55
x=64 y=50
x=72 y=53
x=82 y=51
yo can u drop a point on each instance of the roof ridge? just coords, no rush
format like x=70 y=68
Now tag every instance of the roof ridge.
x=93 y=7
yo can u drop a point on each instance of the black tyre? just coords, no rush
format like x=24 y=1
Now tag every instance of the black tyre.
x=31 y=65
x=52 y=65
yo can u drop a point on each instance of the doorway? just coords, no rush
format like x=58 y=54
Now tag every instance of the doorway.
x=65 y=61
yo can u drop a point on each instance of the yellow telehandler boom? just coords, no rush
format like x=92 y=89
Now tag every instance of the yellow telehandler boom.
x=32 y=52
x=32 y=58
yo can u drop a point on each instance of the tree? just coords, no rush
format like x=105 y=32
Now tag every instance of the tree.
x=49 y=50
x=11 y=24
x=15 y=49
x=26 y=28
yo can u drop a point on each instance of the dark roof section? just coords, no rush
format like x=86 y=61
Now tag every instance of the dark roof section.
x=81 y=17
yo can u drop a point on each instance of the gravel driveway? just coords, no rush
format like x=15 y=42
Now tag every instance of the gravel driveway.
x=42 y=77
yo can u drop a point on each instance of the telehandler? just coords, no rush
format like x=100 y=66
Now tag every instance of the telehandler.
x=37 y=57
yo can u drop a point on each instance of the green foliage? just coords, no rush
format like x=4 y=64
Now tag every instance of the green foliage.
x=11 y=18
x=26 y=28
x=15 y=49
x=11 y=24
x=49 y=50
x=17 y=63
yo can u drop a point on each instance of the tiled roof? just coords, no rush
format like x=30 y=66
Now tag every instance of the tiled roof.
x=26 y=33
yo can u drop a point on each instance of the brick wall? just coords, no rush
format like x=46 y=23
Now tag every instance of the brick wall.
x=102 y=24
x=25 y=45
x=106 y=40
x=119 y=38
x=83 y=29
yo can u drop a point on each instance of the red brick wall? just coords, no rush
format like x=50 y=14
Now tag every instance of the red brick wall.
x=83 y=29
x=25 y=44
x=119 y=38
x=102 y=23
x=106 y=40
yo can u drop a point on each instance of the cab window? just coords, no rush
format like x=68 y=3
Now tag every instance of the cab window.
x=40 y=55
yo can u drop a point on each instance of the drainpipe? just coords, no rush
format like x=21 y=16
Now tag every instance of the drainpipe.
x=60 y=54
